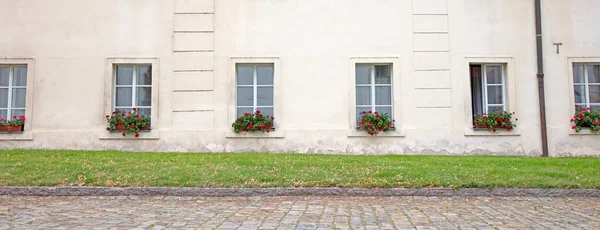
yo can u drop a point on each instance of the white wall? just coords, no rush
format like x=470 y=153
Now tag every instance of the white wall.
x=315 y=41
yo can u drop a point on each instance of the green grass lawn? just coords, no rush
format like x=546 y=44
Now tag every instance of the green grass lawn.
x=123 y=169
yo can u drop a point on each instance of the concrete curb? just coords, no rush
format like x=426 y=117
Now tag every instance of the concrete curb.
x=227 y=192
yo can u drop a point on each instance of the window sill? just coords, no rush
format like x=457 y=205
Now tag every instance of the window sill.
x=278 y=133
x=470 y=131
x=144 y=135
x=584 y=131
x=16 y=136
x=396 y=132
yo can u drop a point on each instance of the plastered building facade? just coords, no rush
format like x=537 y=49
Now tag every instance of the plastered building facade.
x=71 y=50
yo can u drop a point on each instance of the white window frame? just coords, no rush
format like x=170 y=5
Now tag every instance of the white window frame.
x=10 y=88
x=586 y=84
x=109 y=98
x=571 y=83
x=396 y=83
x=485 y=86
x=278 y=87
x=374 y=85
x=509 y=96
x=255 y=87
x=133 y=86
x=27 y=134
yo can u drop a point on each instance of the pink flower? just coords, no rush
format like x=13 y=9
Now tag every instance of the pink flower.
x=573 y=127
x=572 y=120
x=582 y=117
x=580 y=113
x=596 y=123
x=22 y=117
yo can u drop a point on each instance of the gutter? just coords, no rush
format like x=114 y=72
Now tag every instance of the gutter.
x=540 y=77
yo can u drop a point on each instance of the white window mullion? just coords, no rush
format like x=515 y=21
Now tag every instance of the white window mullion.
x=484 y=89
x=10 y=83
x=373 y=88
x=503 y=89
x=134 y=83
x=587 y=86
x=255 y=86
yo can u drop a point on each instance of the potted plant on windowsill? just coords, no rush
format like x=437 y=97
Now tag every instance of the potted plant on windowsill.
x=14 y=125
x=252 y=122
x=130 y=123
x=495 y=120
x=375 y=123
x=585 y=118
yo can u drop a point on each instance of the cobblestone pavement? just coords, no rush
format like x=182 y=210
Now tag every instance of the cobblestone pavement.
x=298 y=213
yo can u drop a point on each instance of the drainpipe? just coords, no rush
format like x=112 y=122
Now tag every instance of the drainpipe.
x=540 y=77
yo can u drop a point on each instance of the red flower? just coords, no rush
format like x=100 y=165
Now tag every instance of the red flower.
x=506 y=121
x=370 y=123
x=509 y=127
x=516 y=119
x=128 y=112
x=596 y=123
x=267 y=130
x=376 y=112
x=118 y=111
x=364 y=120
x=14 y=117
x=393 y=120
x=513 y=112
x=122 y=114
x=272 y=118
x=114 y=112
x=580 y=113
x=573 y=127
x=389 y=126
x=108 y=128
x=128 y=117
x=107 y=116
x=123 y=134
x=257 y=111
x=253 y=114
x=242 y=128
x=572 y=120
x=131 y=126
x=370 y=111
x=111 y=117
x=370 y=133
x=260 y=115
x=582 y=117
x=364 y=112
x=137 y=116
x=138 y=120
x=237 y=122
x=137 y=135
x=377 y=115
x=484 y=117
x=576 y=105
x=133 y=109
x=494 y=130
x=250 y=126
x=142 y=116
x=245 y=114
x=499 y=119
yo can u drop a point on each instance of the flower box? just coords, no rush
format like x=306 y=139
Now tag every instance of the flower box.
x=253 y=122
x=485 y=126
x=130 y=123
x=11 y=128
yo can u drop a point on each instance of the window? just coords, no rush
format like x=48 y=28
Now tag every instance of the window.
x=133 y=88
x=254 y=89
x=13 y=91
x=586 y=81
x=374 y=89
x=488 y=88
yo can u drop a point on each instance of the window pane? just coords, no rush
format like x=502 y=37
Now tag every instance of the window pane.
x=245 y=75
x=147 y=112
x=18 y=98
x=264 y=74
x=124 y=75
x=595 y=107
x=144 y=75
x=495 y=108
x=4 y=75
x=363 y=95
x=3 y=98
x=144 y=96
x=245 y=96
x=494 y=74
x=384 y=110
x=359 y=114
x=266 y=111
x=123 y=96
x=580 y=94
x=578 y=74
x=594 y=92
x=363 y=74
x=3 y=113
x=20 y=76
x=383 y=95
x=18 y=112
x=241 y=111
x=494 y=94
x=265 y=96
x=124 y=110
x=383 y=74
x=476 y=89
x=593 y=72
